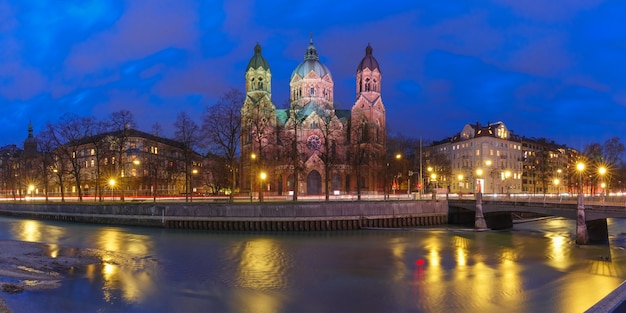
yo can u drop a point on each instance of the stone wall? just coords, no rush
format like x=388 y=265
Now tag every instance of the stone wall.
x=243 y=216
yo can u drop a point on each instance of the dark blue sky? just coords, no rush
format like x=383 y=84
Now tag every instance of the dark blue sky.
x=545 y=68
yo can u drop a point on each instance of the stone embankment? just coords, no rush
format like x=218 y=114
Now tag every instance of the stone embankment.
x=268 y=216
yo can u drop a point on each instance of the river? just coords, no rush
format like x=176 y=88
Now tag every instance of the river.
x=535 y=267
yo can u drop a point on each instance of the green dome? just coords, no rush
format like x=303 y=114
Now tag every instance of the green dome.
x=257 y=59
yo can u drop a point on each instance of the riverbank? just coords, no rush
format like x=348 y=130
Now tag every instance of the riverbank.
x=34 y=266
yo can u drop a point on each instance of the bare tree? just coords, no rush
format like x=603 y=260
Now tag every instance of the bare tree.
x=259 y=122
x=121 y=124
x=292 y=148
x=221 y=123
x=330 y=131
x=67 y=133
x=48 y=149
x=187 y=132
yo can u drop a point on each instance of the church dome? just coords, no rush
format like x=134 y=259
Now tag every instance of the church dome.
x=368 y=61
x=257 y=59
x=311 y=63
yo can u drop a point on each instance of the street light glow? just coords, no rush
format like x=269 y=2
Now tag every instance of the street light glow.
x=479 y=172
x=602 y=170
x=580 y=166
x=263 y=176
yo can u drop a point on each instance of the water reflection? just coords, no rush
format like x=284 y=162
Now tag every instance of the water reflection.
x=125 y=268
x=37 y=231
x=262 y=266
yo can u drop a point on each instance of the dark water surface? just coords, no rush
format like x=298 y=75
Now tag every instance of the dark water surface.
x=536 y=267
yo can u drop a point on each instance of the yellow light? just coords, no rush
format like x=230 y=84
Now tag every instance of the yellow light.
x=603 y=185
x=194 y=171
x=507 y=174
x=488 y=162
x=602 y=170
x=136 y=162
x=111 y=182
x=580 y=166
x=430 y=168
x=253 y=156
x=479 y=172
x=556 y=181
x=398 y=156
x=31 y=188
x=460 y=177
x=263 y=176
x=433 y=176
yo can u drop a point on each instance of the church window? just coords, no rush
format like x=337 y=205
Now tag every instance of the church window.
x=367 y=84
x=312 y=91
x=260 y=83
x=375 y=85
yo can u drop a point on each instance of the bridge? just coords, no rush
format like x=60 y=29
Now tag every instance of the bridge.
x=498 y=213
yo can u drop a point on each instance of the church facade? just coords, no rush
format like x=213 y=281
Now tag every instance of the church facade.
x=312 y=148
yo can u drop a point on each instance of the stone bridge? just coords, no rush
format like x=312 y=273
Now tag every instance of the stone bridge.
x=499 y=214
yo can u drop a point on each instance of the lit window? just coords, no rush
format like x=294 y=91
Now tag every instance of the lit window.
x=93 y=152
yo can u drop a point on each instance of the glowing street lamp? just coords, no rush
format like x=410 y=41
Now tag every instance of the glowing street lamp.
x=111 y=186
x=252 y=158
x=582 y=236
x=262 y=176
x=602 y=172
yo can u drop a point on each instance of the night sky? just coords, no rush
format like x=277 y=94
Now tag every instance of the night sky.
x=549 y=69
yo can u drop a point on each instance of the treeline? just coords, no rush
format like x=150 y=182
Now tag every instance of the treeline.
x=55 y=162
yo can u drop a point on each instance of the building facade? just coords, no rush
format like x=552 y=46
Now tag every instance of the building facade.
x=312 y=147
x=480 y=158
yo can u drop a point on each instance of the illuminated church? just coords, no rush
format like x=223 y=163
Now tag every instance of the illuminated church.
x=312 y=146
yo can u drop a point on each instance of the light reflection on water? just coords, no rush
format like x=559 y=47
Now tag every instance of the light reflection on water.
x=536 y=267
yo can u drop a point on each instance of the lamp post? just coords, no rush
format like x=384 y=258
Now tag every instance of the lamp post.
x=194 y=172
x=582 y=237
x=602 y=172
x=397 y=179
x=263 y=176
x=252 y=158
x=31 y=189
x=111 y=186
x=479 y=218
x=507 y=175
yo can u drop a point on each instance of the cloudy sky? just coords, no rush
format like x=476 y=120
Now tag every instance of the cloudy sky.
x=549 y=69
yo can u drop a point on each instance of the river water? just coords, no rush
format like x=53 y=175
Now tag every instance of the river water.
x=535 y=267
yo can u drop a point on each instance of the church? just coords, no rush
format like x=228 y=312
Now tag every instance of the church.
x=312 y=148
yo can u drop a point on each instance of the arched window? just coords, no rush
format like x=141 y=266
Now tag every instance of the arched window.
x=367 y=84
x=260 y=83
x=312 y=91
x=375 y=87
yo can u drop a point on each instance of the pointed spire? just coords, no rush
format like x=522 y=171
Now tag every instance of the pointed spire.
x=30 y=129
x=311 y=52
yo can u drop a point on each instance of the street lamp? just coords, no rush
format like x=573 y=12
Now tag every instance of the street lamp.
x=479 y=173
x=460 y=177
x=111 y=186
x=252 y=158
x=263 y=176
x=194 y=172
x=582 y=237
x=31 y=189
x=507 y=175
x=602 y=172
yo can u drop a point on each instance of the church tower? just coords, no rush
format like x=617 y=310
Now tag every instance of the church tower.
x=258 y=119
x=368 y=120
x=30 y=144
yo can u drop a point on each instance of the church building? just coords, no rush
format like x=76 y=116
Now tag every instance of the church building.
x=312 y=147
